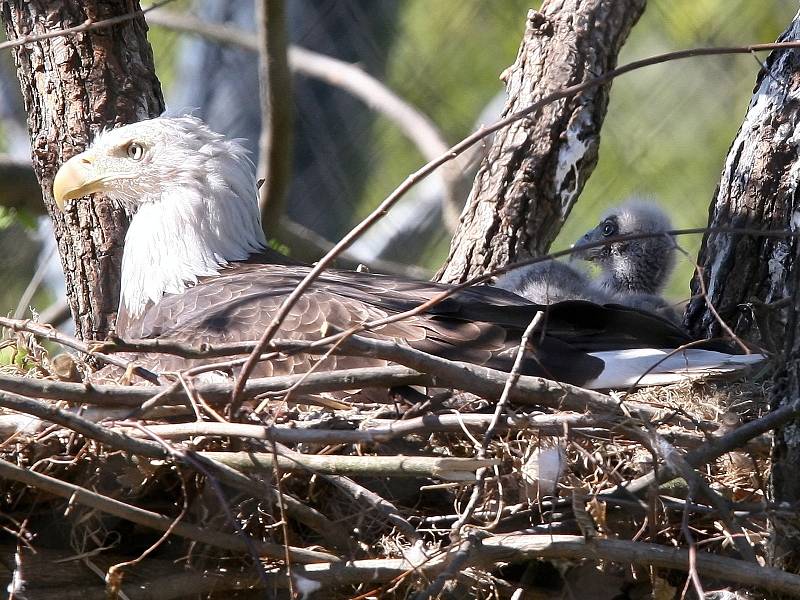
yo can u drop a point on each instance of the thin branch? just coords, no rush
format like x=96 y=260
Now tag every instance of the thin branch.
x=275 y=83
x=361 y=495
x=412 y=122
x=444 y=468
x=87 y=25
x=305 y=238
x=522 y=548
x=49 y=333
x=510 y=382
x=379 y=212
x=456 y=559
x=714 y=449
x=711 y=308
x=216 y=392
x=199 y=465
x=49 y=412
x=483 y=381
x=80 y=495
x=677 y=463
x=385 y=430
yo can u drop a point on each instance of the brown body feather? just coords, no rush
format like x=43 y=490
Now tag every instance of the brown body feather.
x=480 y=325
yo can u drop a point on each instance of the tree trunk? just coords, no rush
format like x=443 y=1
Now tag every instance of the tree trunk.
x=758 y=189
x=74 y=86
x=537 y=167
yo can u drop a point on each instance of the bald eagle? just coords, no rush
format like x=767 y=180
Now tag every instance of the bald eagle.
x=633 y=272
x=196 y=269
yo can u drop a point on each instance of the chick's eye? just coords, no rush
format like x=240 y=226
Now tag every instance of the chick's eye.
x=135 y=151
x=609 y=229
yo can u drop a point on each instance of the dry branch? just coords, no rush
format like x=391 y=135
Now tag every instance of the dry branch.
x=76 y=493
x=483 y=381
x=414 y=124
x=384 y=430
x=446 y=469
x=48 y=332
x=522 y=547
x=678 y=464
x=214 y=393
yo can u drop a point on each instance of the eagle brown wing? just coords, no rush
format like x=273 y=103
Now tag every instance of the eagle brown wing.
x=480 y=325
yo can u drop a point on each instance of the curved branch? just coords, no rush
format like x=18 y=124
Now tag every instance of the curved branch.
x=414 y=124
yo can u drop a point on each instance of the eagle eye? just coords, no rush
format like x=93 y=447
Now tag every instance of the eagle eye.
x=609 y=228
x=135 y=151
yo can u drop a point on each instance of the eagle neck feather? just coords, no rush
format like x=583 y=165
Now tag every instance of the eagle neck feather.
x=187 y=232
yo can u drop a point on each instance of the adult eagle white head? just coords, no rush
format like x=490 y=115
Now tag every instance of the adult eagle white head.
x=191 y=194
x=195 y=270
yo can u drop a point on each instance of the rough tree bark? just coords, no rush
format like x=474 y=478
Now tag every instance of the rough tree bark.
x=538 y=166
x=74 y=86
x=758 y=189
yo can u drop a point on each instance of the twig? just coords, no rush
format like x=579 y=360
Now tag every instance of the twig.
x=412 y=122
x=53 y=414
x=694 y=576
x=712 y=309
x=444 y=468
x=483 y=381
x=289 y=302
x=49 y=333
x=115 y=574
x=299 y=236
x=456 y=560
x=76 y=493
x=520 y=547
x=87 y=25
x=385 y=430
x=714 y=449
x=483 y=278
x=216 y=392
x=361 y=495
x=678 y=464
x=511 y=380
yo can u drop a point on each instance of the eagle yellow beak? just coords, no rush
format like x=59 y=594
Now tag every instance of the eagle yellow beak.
x=76 y=178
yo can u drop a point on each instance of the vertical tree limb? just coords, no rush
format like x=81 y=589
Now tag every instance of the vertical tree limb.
x=758 y=188
x=537 y=167
x=73 y=87
x=275 y=145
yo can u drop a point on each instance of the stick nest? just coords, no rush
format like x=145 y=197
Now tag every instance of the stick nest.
x=402 y=519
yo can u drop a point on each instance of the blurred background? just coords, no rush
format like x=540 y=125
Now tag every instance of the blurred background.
x=666 y=134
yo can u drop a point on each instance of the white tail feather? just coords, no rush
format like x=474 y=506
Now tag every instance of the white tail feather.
x=641 y=366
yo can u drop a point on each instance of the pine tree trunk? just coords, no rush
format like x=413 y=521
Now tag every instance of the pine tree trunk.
x=74 y=86
x=537 y=167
